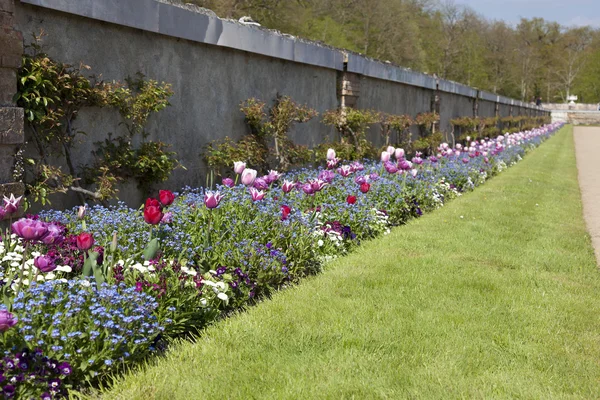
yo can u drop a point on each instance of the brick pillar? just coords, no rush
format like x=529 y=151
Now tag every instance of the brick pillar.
x=11 y=117
x=349 y=89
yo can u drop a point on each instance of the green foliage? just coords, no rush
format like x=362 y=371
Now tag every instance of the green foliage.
x=137 y=99
x=351 y=125
x=429 y=139
x=52 y=95
x=266 y=129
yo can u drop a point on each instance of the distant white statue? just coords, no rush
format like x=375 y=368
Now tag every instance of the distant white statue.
x=246 y=20
x=572 y=99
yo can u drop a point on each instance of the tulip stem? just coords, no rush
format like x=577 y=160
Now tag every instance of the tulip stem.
x=22 y=271
x=236 y=179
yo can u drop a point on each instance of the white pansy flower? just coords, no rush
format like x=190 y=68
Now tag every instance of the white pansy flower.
x=223 y=296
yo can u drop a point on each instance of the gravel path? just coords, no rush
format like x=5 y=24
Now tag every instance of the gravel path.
x=587 y=147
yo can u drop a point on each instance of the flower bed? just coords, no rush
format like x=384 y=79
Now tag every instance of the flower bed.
x=111 y=285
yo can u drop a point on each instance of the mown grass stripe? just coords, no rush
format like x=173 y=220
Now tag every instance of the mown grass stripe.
x=493 y=296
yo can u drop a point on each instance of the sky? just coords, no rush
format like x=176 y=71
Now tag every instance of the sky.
x=565 y=12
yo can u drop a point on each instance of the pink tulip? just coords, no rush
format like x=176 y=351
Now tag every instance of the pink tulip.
x=385 y=156
x=256 y=194
x=413 y=172
x=345 y=170
x=332 y=163
x=317 y=184
x=287 y=186
x=11 y=204
x=399 y=153
x=248 y=176
x=239 y=167
x=391 y=150
x=212 y=199
x=228 y=182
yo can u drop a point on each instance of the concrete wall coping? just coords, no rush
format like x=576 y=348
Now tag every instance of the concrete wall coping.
x=181 y=22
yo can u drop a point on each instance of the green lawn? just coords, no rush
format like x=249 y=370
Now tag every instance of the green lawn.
x=494 y=296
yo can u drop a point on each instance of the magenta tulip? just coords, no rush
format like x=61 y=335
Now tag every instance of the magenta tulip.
x=29 y=229
x=256 y=194
x=7 y=320
x=228 y=182
x=287 y=186
x=11 y=204
x=212 y=199
x=44 y=263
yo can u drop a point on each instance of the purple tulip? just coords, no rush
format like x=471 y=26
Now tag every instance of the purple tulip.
x=390 y=167
x=287 y=186
x=256 y=194
x=317 y=184
x=212 y=199
x=332 y=163
x=273 y=176
x=239 y=167
x=261 y=183
x=404 y=165
x=385 y=156
x=357 y=166
x=417 y=160
x=374 y=176
x=29 y=229
x=54 y=234
x=326 y=175
x=228 y=182
x=433 y=159
x=248 y=176
x=308 y=189
x=44 y=263
x=345 y=170
x=465 y=160
x=361 y=179
x=11 y=204
x=7 y=320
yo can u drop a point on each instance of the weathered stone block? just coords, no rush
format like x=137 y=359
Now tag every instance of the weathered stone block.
x=11 y=125
x=7 y=163
x=8 y=85
x=7 y=5
x=11 y=41
x=6 y=19
x=10 y=61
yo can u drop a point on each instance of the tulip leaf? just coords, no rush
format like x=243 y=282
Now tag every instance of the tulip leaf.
x=151 y=250
x=90 y=262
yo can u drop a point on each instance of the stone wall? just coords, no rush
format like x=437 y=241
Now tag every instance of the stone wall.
x=214 y=64
x=11 y=117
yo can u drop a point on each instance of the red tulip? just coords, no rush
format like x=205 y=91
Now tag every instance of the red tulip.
x=285 y=212
x=365 y=187
x=152 y=202
x=152 y=215
x=351 y=199
x=85 y=241
x=166 y=197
